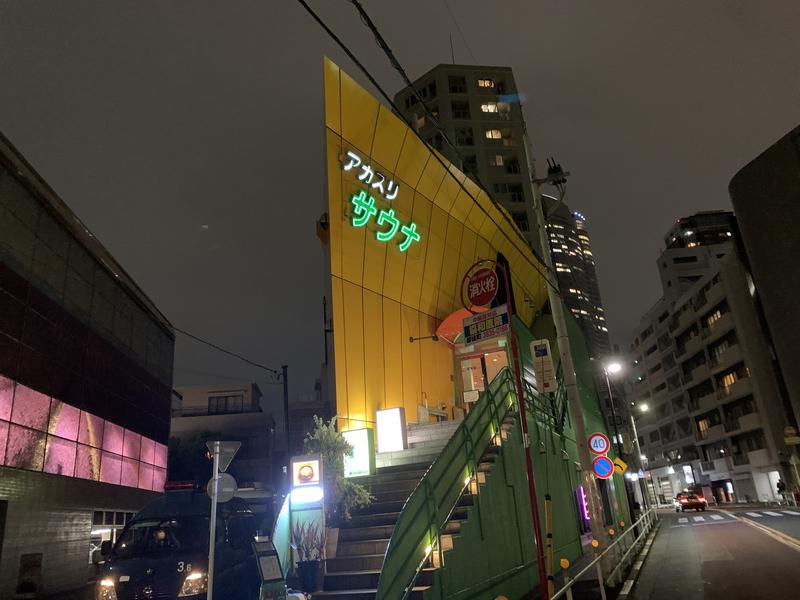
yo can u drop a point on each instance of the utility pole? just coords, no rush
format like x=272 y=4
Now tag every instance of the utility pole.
x=596 y=520
x=285 y=380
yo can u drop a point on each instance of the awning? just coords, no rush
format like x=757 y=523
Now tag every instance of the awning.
x=451 y=330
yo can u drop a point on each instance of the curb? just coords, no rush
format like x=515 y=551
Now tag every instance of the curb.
x=779 y=536
x=637 y=566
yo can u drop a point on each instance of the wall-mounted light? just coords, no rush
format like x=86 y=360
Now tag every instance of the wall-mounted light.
x=433 y=337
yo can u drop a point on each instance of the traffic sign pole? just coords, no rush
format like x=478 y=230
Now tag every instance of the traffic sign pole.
x=212 y=528
x=537 y=526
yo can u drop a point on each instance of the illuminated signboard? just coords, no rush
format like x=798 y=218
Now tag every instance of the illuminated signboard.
x=392 y=433
x=364 y=208
x=361 y=461
x=306 y=470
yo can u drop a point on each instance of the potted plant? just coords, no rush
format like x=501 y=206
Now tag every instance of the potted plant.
x=341 y=495
x=308 y=540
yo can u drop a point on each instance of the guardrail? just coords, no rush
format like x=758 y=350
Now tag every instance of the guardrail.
x=619 y=548
x=416 y=535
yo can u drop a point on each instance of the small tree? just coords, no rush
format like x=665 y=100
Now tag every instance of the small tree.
x=342 y=495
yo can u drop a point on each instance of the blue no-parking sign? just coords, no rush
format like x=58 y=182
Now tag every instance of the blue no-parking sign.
x=603 y=467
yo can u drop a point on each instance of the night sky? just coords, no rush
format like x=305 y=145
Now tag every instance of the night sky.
x=189 y=136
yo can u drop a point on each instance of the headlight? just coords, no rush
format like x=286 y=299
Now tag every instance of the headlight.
x=105 y=590
x=195 y=583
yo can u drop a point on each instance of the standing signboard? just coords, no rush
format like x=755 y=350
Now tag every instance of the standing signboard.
x=361 y=460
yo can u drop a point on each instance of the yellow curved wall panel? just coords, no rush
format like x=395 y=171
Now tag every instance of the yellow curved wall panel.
x=381 y=295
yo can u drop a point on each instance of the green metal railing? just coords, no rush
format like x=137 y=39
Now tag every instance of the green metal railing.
x=416 y=535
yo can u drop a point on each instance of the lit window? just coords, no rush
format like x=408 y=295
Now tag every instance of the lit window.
x=496 y=160
x=493 y=134
x=489 y=107
x=485 y=83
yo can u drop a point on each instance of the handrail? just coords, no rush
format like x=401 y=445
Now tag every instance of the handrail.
x=417 y=532
x=648 y=518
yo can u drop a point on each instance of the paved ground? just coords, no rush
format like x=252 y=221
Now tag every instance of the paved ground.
x=716 y=555
x=785 y=520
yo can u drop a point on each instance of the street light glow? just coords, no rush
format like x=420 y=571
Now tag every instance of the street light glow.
x=614 y=367
x=644 y=407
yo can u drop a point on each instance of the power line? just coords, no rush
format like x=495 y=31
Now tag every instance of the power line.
x=460 y=32
x=226 y=351
x=397 y=111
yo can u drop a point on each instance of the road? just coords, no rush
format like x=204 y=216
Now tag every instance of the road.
x=718 y=555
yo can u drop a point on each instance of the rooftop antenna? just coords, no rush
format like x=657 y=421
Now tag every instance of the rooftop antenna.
x=452 y=52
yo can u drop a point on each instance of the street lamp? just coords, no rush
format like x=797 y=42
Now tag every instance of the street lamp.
x=610 y=369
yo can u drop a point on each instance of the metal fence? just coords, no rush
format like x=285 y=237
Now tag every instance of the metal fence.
x=620 y=553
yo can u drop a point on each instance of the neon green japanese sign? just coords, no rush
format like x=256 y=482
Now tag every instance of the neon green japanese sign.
x=364 y=209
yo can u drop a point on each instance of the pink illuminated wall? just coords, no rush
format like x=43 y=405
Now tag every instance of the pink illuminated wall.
x=39 y=433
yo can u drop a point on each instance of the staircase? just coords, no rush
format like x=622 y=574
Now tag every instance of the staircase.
x=354 y=573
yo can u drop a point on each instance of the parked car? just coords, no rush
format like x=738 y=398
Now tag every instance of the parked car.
x=688 y=501
x=163 y=552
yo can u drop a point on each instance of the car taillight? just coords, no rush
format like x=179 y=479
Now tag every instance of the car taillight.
x=684 y=500
x=701 y=498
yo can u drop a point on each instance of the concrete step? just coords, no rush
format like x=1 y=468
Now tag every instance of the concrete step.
x=368 y=579
x=354 y=563
x=417 y=593
x=355 y=534
x=406 y=485
x=361 y=547
x=392 y=496
x=373 y=520
x=407 y=457
x=382 y=507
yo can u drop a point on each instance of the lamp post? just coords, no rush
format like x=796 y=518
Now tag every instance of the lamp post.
x=608 y=369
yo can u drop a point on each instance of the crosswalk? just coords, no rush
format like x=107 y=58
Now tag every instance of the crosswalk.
x=716 y=517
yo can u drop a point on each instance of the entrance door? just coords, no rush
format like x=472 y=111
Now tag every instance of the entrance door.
x=478 y=365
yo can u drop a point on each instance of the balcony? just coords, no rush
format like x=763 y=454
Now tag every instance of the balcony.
x=737 y=389
x=711 y=434
x=703 y=404
x=699 y=374
x=720 y=326
x=730 y=356
x=744 y=423
x=759 y=458
x=740 y=460
x=714 y=466
x=715 y=295
x=693 y=345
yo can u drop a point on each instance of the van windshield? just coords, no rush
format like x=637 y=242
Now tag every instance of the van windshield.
x=163 y=536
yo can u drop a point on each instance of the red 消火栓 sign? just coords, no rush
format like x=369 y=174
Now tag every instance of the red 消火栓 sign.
x=482 y=286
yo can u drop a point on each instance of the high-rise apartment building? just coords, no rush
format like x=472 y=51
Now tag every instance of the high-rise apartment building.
x=573 y=260
x=479 y=110
x=708 y=410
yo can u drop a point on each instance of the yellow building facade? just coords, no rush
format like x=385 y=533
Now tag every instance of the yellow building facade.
x=403 y=226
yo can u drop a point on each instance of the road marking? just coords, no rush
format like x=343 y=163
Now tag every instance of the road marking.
x=699 y=518
x=756 y=515
x=683 y=520
x=626 y=589
x=772 y=514
x=716 y=517
x=791 y=512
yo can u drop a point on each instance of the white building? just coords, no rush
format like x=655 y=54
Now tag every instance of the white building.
x=708 y=410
